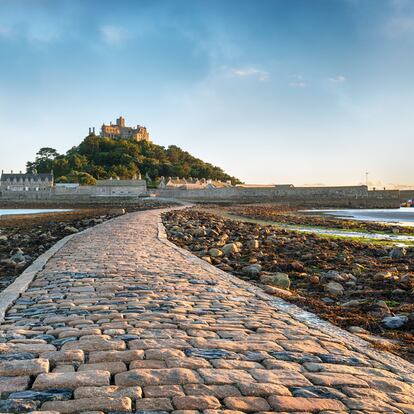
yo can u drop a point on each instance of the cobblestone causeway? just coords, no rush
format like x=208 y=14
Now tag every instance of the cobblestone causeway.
x=121 y=321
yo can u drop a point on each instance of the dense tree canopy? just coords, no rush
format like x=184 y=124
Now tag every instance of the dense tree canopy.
x=102 y=158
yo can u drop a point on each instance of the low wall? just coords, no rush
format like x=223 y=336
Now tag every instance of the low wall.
x=310 y=197
x=329 y=197
x=66 y=199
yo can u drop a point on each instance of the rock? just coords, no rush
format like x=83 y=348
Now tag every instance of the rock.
x=215 y=252
x=382 y=276
x=3 y=238
x=252 y=270
x=314 y=280
x=297 y=266
x=23 y=367
x=397 y=253
x=42 y=396
x=11 y=384
x=280 y=280
x=18 y=406
x=407 y=281
x=272 y=290
x=253 y=244
x=354 y=302
x=18 y=257
x=96 y=404
x=334 y=288
x=394 y=322
x=71 y=230
x=230 y=248
x=117 y=211
x=357 y=330
x=207 y=259
x=71 y=380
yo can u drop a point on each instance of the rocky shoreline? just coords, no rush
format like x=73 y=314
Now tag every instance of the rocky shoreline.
x=366 y=288
x=292 y=216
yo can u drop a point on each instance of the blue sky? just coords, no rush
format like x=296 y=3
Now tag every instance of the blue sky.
x=273 y=91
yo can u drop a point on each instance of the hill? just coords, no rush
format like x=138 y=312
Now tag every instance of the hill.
x=101 y=158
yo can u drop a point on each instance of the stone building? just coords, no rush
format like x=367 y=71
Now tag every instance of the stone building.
x=26 y=182
x=191 y=183
x=120 y=131
x=105 y=188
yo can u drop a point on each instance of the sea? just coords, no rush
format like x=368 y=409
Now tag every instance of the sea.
x=403 y=216
x=17 y=211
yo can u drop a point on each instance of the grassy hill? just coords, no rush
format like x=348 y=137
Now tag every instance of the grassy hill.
x=101 y=158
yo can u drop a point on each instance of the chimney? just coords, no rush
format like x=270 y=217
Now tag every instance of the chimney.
x=94 y=130
x=89 y=130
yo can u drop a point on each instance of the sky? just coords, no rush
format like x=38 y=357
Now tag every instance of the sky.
x=273 y=91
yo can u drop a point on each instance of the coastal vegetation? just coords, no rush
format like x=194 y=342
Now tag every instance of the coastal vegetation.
x=97 y=158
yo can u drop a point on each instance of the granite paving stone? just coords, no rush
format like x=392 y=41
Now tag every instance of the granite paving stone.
x=120 y=320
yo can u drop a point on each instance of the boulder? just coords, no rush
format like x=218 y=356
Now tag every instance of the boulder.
x=252 y=270
x=280 y=280
x=253 y=244
x=334 y=288
x=398 y=253
x=215 y=252
x=71 y=230
x=230 y=248
x=18 y=257
x=394 y=322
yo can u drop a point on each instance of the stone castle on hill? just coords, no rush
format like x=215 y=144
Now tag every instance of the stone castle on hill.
x=120 y=131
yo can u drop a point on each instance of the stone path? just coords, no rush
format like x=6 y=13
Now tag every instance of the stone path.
x=121 y=321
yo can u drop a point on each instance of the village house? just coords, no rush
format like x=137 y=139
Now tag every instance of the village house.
x=26 y=181
x=191 y=183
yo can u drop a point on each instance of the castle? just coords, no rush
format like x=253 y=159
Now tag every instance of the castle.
x=120 y=131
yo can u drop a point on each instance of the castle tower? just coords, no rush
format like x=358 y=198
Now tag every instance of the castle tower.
x=120 y=122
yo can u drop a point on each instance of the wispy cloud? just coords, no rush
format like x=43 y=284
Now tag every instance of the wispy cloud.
x=338 y=79
x=112 y=35
x=297 y=82
x=250 y=72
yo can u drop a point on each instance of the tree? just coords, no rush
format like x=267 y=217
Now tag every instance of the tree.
x=103 y=157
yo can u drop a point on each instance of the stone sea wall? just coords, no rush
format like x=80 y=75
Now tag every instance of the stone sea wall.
x=318 y=197
x=330 y=197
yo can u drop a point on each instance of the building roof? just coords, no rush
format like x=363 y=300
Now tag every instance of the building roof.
x=21 y=176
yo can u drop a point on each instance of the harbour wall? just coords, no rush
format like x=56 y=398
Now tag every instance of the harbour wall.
x=318 y=197
x=311 y=197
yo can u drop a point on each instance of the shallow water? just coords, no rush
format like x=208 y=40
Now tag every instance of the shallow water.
x=399 y=239
x=17 y=211
x=403 y=216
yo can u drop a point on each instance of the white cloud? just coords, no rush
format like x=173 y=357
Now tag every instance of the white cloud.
x=299 y=84
x=112 y=35
x=338 y=79
x=297 y=81
x=250 y=72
